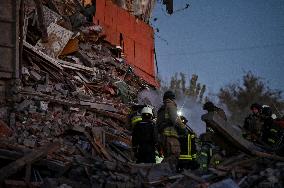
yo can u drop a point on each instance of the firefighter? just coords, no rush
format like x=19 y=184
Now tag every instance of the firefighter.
x=272 y=132
x=216 y=136
x=212 y=109
x=253 y=123
x=205 y=153
x=210 y=155
x=187 y=158
x=168 y=121
x=278 y=125
x=144 y=137
x=265 y=116
x=134 y=115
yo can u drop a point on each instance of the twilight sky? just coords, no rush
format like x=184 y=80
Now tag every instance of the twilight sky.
x=220 y=40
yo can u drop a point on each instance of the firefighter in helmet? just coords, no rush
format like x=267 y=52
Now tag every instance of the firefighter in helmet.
x=253 y=123
x=187 y=158
x=134 y=115
x=168 y=121
x=144 y=137
x=273 y=131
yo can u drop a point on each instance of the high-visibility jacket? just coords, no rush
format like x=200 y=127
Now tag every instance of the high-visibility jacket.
x=168 y=120
x=135 y=120
x=273 y=134
x=188 y=148
x=204 y=156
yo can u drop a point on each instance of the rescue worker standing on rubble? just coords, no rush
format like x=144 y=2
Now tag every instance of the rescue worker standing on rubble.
x=187 y=158
x=212 y=109
x=144 y=137
x=272 y=132
x=253 y=123
x=213 y=145
x=168 y=121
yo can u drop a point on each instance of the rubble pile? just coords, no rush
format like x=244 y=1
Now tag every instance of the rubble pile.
x=74 y=92
x=251 y=171
x=65 y=125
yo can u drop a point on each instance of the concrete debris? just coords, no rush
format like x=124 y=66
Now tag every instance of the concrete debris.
x=58 y=37
x=50 y=16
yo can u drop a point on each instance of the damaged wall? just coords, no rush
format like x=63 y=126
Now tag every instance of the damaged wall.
x=135 y=36
x=9 y=61
x=8 y=40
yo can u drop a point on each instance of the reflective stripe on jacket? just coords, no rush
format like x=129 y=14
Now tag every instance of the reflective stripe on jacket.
x=188 y=155
x=168 y=119
x=170 y=131
x=135 y=120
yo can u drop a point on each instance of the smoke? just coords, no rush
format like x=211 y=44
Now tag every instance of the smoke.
x=193 y=111
x=190 y=109
x=151 y=97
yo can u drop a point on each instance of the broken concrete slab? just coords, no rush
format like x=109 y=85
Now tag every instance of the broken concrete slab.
x=58 y=37
x=223 y=128
x=50 y=16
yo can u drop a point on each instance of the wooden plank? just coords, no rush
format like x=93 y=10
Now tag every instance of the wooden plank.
x=117 y=150
x=98 y=147
x=13 y=167
x=42 y=55
x=230 y=134
x=76 y=66
x=99 y=106
x=268 y=155
x=111 y=137
x=237 y=140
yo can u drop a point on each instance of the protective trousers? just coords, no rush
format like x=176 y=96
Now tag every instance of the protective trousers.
x=171 y=150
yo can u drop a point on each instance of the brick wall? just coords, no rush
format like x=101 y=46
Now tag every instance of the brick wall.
x=135 y=36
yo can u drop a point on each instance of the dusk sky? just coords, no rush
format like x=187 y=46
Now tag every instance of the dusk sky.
x=219 y=40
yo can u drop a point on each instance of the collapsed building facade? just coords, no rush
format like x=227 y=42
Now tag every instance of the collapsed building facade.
x=65 y=100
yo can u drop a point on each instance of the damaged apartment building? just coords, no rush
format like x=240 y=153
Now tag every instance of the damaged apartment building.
x=69 y=72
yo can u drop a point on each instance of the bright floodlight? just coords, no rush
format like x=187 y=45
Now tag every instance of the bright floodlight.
x=179 y=113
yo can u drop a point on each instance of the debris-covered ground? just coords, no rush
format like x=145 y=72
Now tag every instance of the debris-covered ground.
x=65 y=124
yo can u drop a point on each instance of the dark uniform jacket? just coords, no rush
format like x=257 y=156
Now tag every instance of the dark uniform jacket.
x=144 y=139
x=253 y=125
x=168 y=120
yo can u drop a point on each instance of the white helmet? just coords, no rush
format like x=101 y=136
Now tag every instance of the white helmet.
x=274 y=116
x=147 y=110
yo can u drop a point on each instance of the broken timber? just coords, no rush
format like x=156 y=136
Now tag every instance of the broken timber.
x=98 y=147
x=236 y=139
x=47 y=58
x=13 y=167
x=222 y=127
